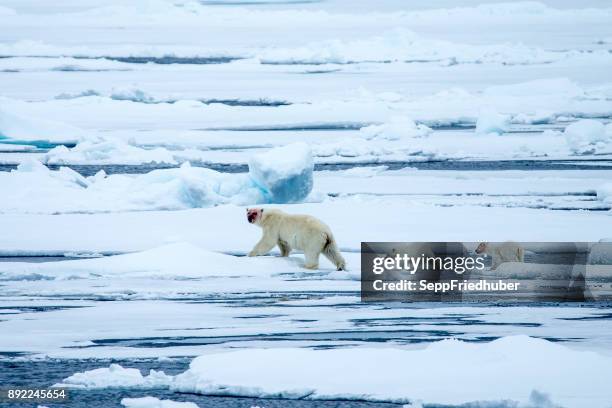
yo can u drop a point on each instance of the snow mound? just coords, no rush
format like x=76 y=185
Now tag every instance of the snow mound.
x=604 y=193
x=490 y=121
x=101 y=151
x=115 y=376
x=587 y=136
x=396 y=129
x=500 y=370
x=152 y=402
x=172 y=261
x=131 y=94
x=284 y=174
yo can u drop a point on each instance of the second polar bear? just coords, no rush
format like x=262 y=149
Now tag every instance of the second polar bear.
x=290 y=231
x=502 y=252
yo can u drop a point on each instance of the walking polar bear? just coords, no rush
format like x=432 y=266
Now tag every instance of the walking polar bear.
x=290 y=231
x=502 y=252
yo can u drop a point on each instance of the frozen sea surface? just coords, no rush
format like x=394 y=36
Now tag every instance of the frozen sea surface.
x=422 y=128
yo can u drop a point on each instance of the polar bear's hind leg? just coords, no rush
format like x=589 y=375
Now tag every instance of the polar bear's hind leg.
x=331 y=252
x=312 y=259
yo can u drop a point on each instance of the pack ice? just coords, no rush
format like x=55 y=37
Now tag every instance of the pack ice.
x=281 y=175
x=502 y=369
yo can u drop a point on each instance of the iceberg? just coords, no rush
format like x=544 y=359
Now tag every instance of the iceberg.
x=284 y=174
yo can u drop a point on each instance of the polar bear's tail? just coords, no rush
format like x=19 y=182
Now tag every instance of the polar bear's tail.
x=331 y=252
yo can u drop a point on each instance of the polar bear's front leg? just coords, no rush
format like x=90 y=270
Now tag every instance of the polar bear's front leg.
x=264 y=246
x=284 y=247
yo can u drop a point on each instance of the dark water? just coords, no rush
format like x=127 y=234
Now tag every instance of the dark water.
x=90 y=170
x=48 y=372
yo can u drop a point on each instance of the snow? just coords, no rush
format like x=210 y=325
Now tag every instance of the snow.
x=466 y=205
x=396 y=129
x=152 y=402
x=283 y=174
x=115 y=376
x=503 y=369
x=64 y=190
x=492 y=122
x=161 y=271
x=171 y=261
x=588 y=136
x=101 y=151
x=14 y=126
x=604 y=193
x=401 y=45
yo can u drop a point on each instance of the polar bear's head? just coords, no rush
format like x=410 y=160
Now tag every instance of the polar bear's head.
x=254 y=215
x=482 y=247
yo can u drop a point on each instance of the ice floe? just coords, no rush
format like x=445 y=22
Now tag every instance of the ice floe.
x=503 y=370
x=114 y=151
x=279 y=176
x=588 y=136
x=16 y=127
x=170 y=261
x=396 y=129
x=490 y=121
x=152 y=402
x=115 y=376
x=604 y=193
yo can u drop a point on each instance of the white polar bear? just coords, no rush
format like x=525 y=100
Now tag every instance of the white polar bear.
x=290 y=231
x=502 y=252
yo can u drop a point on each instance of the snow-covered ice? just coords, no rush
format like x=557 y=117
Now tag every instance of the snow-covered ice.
x=284 y=174
x=107 y=151
x=133 y=135
x=588 y=136
x=152 y=402
x=65 y=190
x=115 y=376
x=503 y=370
x=492 y=122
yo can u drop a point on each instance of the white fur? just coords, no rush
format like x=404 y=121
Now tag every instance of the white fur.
x=301 y=232
x=502 y=252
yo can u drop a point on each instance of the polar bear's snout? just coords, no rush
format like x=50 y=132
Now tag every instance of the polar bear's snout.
x=253 y=214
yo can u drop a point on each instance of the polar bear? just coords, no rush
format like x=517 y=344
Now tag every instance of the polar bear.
x=502 y=252
x=290 y=231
